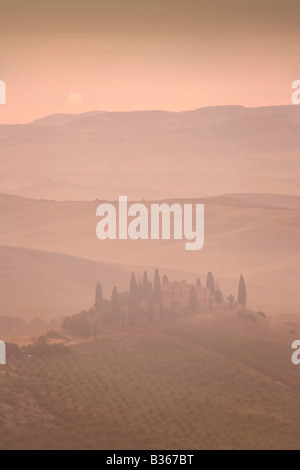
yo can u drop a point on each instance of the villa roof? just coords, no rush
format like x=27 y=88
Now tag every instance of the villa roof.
x=180 y=286
x=176 y=286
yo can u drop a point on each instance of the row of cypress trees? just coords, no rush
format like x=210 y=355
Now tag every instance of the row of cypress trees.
x=217 y=295
x=151 y=295
x=143 y=298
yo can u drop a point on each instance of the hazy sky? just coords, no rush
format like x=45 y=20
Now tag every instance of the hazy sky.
x=146 y=54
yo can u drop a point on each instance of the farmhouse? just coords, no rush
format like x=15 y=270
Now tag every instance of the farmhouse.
x=176 y=294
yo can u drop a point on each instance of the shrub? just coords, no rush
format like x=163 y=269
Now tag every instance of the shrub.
x=251 y=317
x=13 y=350
x=261 y=314
x=54 y=334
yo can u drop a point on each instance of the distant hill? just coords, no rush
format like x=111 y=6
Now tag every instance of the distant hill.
x=36 y=283
x=273 y=200
x=61 y=119
x=207 y=114
x=147 y=154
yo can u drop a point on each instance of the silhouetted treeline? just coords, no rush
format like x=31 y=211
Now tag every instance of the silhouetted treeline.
x=17 y=326
x=39 y=349
x=142 y=304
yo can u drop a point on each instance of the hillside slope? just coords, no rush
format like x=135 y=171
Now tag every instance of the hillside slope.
x=193 y=384
x=36 y=283
x=240 y=237
x=153 y=154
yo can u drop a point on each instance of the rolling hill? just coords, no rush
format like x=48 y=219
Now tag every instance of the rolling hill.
x=36 y=283
x=260 y=241
x=274 y=200
x=153 y=154
x=208 y=382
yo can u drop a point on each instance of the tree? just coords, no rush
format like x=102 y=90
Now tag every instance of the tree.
x=140 y=292
x=115 y=310
x=123 y=319
x=78 y=325
x=145 y=287
x=12 y=350
x=96 y=331
x=193 y=303
x=230 y=299
x=210 y=283
x=98 y=296
x=157 y=289
x=165 y=279
x=242 y=293
x=218 y=296
x=133 y=300
x=150 y=303
x=198 y=282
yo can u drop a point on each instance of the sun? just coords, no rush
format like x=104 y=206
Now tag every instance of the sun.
x=76 y=99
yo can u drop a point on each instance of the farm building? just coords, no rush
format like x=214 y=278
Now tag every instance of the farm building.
x=176 y=294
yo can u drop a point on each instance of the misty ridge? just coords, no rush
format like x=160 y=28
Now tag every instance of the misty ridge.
x=197 y=356
x=249 y=153
x=51 y=256
x=153 y=154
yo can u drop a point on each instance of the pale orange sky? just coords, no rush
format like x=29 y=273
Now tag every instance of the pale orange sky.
x=132 y=54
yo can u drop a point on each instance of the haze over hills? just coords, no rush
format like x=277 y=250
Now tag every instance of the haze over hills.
x=240 y=236
x=153 y=154
x=273 y=200
x=251 y=154
x=206 y=382
x=36 y=283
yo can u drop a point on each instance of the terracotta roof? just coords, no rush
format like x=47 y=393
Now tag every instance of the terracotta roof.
x=181 y=286
x=176 y=286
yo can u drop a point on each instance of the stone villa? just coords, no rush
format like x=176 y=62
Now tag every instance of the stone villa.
x=176 y=294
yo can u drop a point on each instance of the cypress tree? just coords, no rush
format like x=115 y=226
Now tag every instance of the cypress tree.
x=150 y=302
x=193 y=303
x=218 y=296
x=98 y=296
x=133 y=300
x=145 y=286
x=242 y=292
x=210 y=283
x=230 y=299
x=115 y=310
x=157 y=288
